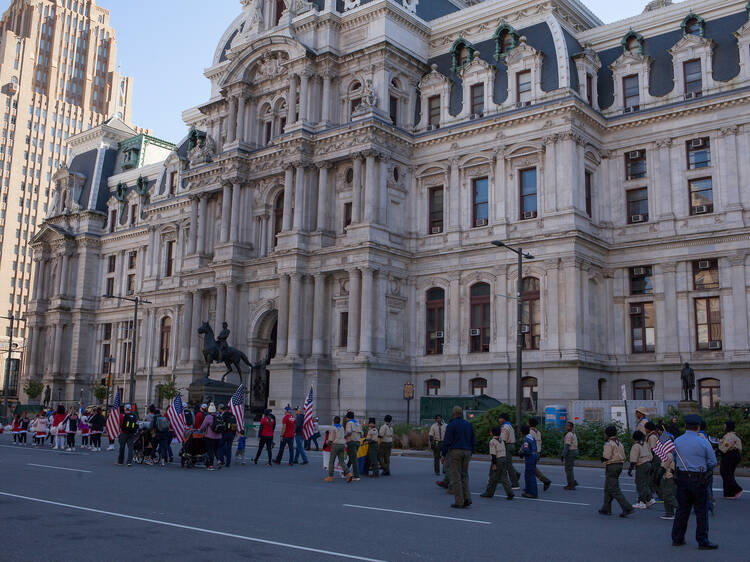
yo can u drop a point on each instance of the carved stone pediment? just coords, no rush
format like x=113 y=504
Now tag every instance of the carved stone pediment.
x=691 y=43
x=626 y=60
x=522 y=51
x=434 y=79
x=270 y=66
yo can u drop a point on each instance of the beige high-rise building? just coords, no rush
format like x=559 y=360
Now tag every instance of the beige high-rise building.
x=57 y=78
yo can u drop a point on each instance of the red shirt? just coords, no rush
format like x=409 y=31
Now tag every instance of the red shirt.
x=290 y=421
x=198 y=420
x=266 y=427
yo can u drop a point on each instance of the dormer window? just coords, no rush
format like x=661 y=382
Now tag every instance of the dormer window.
x=506 y=38
x=130 y=158
x=461 y=54
x=523 y=87
x=693 y=25
x=633 y=46
x=435 y=91
x=477 y=100
x=433 y=105
x=693 y=78
x=631 y=93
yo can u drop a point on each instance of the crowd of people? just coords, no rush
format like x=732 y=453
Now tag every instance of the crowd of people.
x=60 y=428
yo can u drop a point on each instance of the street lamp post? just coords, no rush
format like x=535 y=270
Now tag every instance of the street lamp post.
x=6 y=378
x=519 y=320
x=136 y=301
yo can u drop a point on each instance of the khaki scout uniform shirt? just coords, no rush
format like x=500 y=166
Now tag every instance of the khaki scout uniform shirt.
x=537 y=435
x=507 y=434
x=642 y=425
x=651 y=440
x=372 y=435
x=613 y=452
x=437 y=432
x=730 y=442
x=336 y=435
x=668 y=466
x=640 y=454
x=386 y=433
x=497 y=448
x=571 y=440
x=355 y=431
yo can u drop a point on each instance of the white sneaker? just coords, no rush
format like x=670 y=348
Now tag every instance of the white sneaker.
x=639 y=505
x=667 y=517
x=111 y=448
x=650 y=502
x=55 y=447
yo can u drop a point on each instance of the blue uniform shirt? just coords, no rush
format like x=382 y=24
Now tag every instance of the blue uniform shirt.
x=695 y=452
x=528 y=448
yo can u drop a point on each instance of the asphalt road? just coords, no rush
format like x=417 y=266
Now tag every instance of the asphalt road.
x=78 y=506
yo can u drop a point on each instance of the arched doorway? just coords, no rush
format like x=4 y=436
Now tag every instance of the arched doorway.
x=264 y=350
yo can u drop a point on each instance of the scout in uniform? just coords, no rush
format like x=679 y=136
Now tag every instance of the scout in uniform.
x=730 y=447
x=613 y=457
x=386 y=444
x=640 y=415
x=652 y=438
x=498 y=471
x=437 y=433
x=508 y=436
x=569 y=454
x=337 y=440
x=372 y=448
x=537 y=435
x=529 y=454
x=667 y=487
x=640 y=458
x=353 y=436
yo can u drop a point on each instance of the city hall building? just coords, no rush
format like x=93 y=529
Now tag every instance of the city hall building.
x=335 y=200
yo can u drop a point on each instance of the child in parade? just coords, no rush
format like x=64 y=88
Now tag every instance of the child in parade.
x=530 y=455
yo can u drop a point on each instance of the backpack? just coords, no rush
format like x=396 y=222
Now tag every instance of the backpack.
x=231 y=423
x=218 y=425
x=129 y=423
x=162 y=424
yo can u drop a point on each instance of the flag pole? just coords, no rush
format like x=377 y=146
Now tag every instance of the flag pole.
x=675 y=447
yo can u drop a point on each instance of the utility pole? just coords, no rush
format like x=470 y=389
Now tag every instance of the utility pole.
x=520 y=327
x=12 y=319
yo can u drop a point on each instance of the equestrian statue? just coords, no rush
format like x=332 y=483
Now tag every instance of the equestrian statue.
x=217 y=351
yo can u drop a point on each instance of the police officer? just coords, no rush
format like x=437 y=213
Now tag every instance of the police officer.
x=695 y=463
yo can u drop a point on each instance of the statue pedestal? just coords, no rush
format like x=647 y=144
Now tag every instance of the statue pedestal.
x=205 y=391
x=686 y=407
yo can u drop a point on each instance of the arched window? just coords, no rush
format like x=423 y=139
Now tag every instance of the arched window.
x=278 y=216
x=506 y=38
x=709 y=391
x=164 y=341
x=479 y=333
x=530 y=313
x=693 y=25
x=431 y=387
x=530 y=390
x=461 y=54
x=633 y=46
x=355 y=96
x=435 y=305
x=478 y=386
x=643 y=390
x=632 y=43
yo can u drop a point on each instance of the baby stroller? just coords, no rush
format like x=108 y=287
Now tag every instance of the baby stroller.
x=193 y=450
x=144 y=447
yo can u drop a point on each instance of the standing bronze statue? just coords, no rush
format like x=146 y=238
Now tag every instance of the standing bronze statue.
x=688 y=381
x=220 y=352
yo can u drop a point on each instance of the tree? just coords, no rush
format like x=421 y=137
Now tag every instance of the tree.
x=169 y=390
x=100 y=392
x=33 y=389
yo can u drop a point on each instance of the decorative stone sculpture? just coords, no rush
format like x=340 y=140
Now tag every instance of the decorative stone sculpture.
x=220 y=352
x=688 y=382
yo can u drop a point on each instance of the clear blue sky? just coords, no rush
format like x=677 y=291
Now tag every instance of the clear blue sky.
x=166 y=44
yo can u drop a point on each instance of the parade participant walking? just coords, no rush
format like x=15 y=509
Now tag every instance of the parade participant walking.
x=508 y=435
x=200 y=415
x=437 y=432
x=458 y=445
x=386 y=445
x=227 y=436
x=241 y=444
x=213 y=427
x=652 y=438
x=59 y=421
x=640 y=415
x=16 y=427
x=25 y=422
x=337 y=439
x=289 y=424
x=97 y=422
x=695 y=463
x=353 y=436
x=128 y=426
x=498 y=472
x=265 y=437
x=299 y=436
x=372 y=449
x=667 y=487
x=529 y=454
x=569 y=454
x=640 y=458
x=613 y=457
x=71 y=427
x=730 y=447
x=163 y=436
x=537 y=435
x=41 y=426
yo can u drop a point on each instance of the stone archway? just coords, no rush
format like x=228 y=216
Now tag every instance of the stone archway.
x=262 y=351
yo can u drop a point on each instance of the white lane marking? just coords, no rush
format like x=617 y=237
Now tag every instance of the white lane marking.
x=539 y=499
x=46 y=449
x=191 y=528
x=57 y=467
x=418 y=514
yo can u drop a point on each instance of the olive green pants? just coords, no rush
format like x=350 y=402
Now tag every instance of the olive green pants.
x=437 y=452
x=642 y=482
x=654 y=477
x=458 y=468
x=512 y=474
x=337 y=452
x=612 y=489
x=498 y=476
x=351 y=449
x=384 y=456
x=372 y=458
x=667 y=493
x=570 y=462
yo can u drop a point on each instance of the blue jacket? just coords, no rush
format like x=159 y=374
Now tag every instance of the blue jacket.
x=528 y=449
x=458 y=435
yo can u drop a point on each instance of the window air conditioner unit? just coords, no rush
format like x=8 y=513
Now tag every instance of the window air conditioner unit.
x=715 y=344
x=529 y=215
x=634 y=154
x=639 y=271
x=525 y=328
x=637 y=218
x=474 y=332
x=689 y=95
x=439 y=335
x=627 y=110
x=476 y=115
x=635 y=310
x=704 y=264
x=697 y=143
x=437 y=229
x=481 y=222
x=700 y=209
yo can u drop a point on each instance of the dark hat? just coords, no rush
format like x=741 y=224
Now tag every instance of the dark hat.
x=693 y=419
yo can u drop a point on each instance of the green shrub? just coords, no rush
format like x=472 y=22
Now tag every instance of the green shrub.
x=33 y=389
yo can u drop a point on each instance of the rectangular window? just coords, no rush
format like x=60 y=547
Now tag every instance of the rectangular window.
x=641 y=280
x=436 y=210
x=631 y=93
x=130 y=289
x=587 y=187
x=523 y=87
x=699 y=153
x=133 y=213
x=642 y=331
x=480 y=202
x=635 y=164
x=352 y=105
x=105 y=359
x=173 y=183
x=477 y=100
x=528 y=200
x=393 y=109
x=693 y=78
x=112 y=220
x=433 y=108
x=268 y=132
x=132 y=258
x=637 y=201
x=110 y=286
x=343 y=329
x=169 y=269
x=590 y=89
x=708 y=323
x=701 y=196
x=347 y=215
x=111 y=263
x=705 y=274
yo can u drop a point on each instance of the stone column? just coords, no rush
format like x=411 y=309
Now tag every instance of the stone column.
x=194 y=325
x=319 y=318
x=57 y=355
x=226 y=212
x=63 y=288
x=295 y=314
x=232 y=120
x=263 y=250
x=288 y=198
x=282 y=328
x=670 y=309
x=303 y=93
x=187 y=318
x=291 y=102
x=221 y=305
x=323 y=195
x=193 y=240
x=234 y=234
x=229 y=315
x=454 y=197
x=325 y=113
x=453 y=309
x=371 y=200
x=242 y=104
x=499 y=186
x=38 y=278
x=299 y=198
x=357 y=189
x=354 y=309
x=728 y=186
x=202 y=220
x=365 y=341
x=738 y=339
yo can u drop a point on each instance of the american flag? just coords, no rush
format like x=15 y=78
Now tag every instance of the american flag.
x=113 y=419
x=664 y=446
x=176 y=417
x=308 y=428
x=237 y=404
